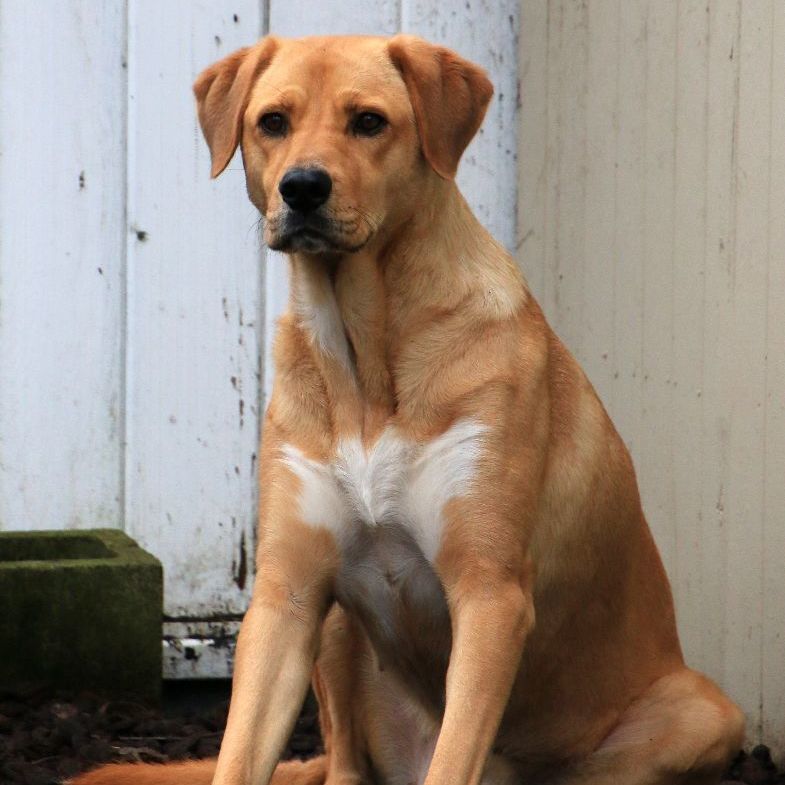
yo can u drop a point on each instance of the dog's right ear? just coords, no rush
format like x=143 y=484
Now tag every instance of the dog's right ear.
x=222 y=92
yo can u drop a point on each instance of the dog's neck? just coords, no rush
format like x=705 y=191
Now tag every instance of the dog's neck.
x=438 y=266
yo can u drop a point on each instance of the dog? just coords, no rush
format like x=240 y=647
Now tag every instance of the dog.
x=451 y=541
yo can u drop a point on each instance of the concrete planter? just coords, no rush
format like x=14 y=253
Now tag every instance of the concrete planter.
x=80 y=609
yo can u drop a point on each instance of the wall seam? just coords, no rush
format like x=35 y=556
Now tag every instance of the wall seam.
x=123 y=310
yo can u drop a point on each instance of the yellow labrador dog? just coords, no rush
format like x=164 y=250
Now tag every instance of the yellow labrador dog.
x=452 y=546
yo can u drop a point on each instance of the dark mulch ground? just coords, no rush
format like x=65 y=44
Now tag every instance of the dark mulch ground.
x=45 y=738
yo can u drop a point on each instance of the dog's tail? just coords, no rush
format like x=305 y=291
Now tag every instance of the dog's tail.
x=197 y=772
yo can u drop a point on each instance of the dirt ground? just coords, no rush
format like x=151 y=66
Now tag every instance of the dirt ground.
x=45 y=737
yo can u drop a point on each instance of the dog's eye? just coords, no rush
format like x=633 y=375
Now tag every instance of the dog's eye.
x=273 y=124
x=368 y=123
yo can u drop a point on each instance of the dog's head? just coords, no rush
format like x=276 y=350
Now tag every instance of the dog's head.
x=339 y=133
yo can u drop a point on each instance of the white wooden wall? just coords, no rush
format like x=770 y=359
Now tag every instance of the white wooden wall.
x=652 y=228
x=136 y=305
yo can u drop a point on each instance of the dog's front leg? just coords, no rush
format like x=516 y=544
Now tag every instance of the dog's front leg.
x=279 y=638
x=487 y=575
x=492 y=613
x=484 y=564
x=275 y=654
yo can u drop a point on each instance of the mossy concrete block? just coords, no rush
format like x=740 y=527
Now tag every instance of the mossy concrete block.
x=82 y=610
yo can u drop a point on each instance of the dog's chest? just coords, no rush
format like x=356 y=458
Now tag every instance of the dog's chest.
x=394 y=481
x=385 y=505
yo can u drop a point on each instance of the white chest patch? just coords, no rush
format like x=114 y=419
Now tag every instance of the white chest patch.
x=393 y=481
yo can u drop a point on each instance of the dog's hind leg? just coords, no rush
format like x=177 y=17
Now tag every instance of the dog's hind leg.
x=337 y=686
x=681 y=731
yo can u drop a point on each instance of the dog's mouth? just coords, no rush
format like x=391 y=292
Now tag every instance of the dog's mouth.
x=305 y=239
x=314 y=233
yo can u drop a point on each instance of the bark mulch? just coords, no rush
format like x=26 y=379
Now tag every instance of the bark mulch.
x=47 y=737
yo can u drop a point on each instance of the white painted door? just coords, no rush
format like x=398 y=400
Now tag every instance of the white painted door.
x=62 y=263
x=137 y=305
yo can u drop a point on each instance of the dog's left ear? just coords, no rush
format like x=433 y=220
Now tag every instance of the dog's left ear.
x=222 y=93
x=449 y=96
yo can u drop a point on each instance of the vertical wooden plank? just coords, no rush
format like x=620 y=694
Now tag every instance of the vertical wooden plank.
x=486 y=32
x=628 y=313
x=193 y=304
x=746 y=385
x=569 y=54
x=599 y=212
x=350 y=17
x=773 y=655
x=533 y=144
x=687 y=325
x=718 y=359
x=298 y=18
x=551 y=303
x=62 y=175
x=654 y=460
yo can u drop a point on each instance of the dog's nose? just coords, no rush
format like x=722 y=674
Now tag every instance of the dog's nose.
x=305 y=189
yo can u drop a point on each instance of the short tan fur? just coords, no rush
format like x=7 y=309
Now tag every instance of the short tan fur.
x=452 y=546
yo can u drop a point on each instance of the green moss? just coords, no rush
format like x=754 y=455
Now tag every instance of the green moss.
x=80 y=609
x=48 y=546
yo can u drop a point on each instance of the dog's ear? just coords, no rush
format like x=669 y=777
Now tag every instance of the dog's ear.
x=449 y=96
x=222 y=93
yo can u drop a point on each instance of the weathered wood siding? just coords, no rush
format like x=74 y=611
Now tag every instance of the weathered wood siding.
x=62 y=263
x=651 y=226
x=193 y=319
x=137 y=308
x=136 y=305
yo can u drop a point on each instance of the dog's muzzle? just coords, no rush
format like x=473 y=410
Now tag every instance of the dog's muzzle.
x=302 y=227
x=307 y=223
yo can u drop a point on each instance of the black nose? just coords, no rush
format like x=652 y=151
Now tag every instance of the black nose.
x=305 y=189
